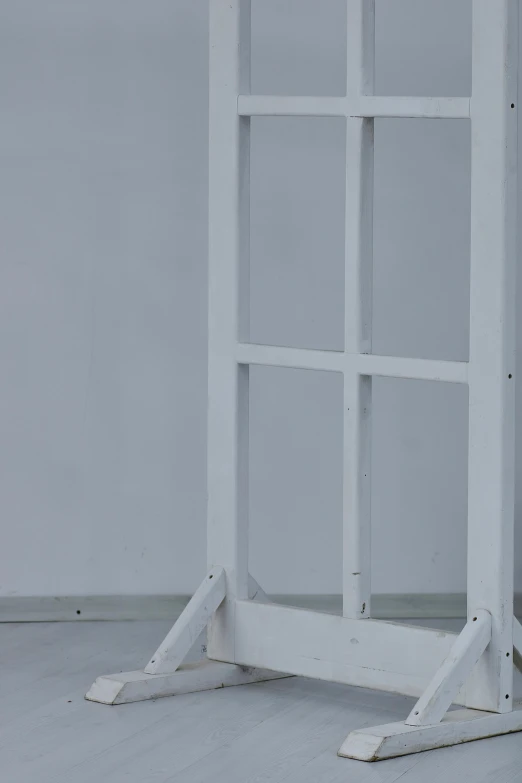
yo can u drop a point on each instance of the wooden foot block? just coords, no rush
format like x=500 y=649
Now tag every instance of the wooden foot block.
x=398 y=739
x=201 y=676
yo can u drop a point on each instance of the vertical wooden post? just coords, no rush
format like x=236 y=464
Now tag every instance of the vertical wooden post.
x=358 y=315
x=492 y=343
x=229 y=198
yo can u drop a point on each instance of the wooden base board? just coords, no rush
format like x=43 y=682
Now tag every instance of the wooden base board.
x=201 y=676
x=458 y=726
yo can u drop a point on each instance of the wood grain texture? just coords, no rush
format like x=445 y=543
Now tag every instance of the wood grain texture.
x=451 y=676
x=204 y=675
x=517 y=644
x=358 y=284
x=189 y=625
x=228 y=309
x=377 y=654
x=491 y=461
x=400 y=739
x=281 y=730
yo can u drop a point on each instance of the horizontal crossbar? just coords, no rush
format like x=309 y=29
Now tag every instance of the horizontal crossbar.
x=363 y=106
x=366 y=653
x=365 y=364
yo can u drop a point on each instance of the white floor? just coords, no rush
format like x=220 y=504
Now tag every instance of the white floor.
x=285 y=730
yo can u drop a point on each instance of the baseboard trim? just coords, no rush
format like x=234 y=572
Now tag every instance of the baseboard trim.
x=19 y=609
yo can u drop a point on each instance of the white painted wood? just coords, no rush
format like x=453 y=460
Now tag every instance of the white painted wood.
x=298 y=358
x=416 y=369
x=398 y=739
x=517 y=644
x=267 y=731
x=228 y=224
x=229 y=198
x=357 y=404
x=201 y=676
x=358 y=279
x=290 y=106
x=256 y=592
x=189 y=625
x=492 y=341
x=364 y=364
x=372 y=654
x=353 y=106
x=451 y=676
x=158 y=678
x=416 y=108
x=517 y=635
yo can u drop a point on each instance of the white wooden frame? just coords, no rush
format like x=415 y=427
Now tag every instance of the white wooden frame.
x=250 y=639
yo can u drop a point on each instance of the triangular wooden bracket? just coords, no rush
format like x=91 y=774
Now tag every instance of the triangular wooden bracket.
x=165 y=675
x=194 y=618
x=517 y=644
x=428 y=726
x=452 y=674
x=189 y=625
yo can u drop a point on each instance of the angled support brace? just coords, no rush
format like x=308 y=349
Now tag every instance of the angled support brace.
x=451 y=676
x=256 y=593
x=428 y=726
x=191 y=622
x=194 y=618
x=165 y=675
x=517 y=644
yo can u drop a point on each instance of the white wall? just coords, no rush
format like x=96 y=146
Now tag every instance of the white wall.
x=103 y=209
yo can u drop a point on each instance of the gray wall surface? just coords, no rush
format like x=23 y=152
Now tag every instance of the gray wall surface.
x=103 y=229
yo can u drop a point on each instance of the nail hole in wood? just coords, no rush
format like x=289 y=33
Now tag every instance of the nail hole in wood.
x=512 y=105
x=510 y=376
x=416 y=712
x=474 y=619
x=507 y=655
x=507 y=695
x=211 y=575
x=78 y=611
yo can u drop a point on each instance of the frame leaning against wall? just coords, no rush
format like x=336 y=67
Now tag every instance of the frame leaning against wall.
x=250 y=639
